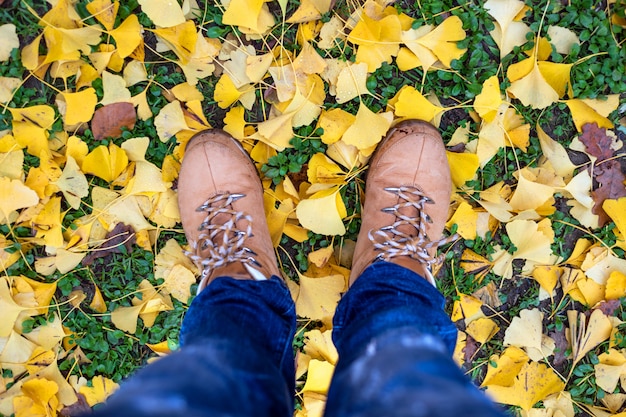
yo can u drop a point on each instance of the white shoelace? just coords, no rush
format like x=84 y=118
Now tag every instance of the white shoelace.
x=391 y=242
x=222 y=243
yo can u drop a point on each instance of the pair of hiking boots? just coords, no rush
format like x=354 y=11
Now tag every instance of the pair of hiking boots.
x=407 y=197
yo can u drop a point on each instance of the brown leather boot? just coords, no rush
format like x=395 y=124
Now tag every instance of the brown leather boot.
x=407 y=196
x=221 y=208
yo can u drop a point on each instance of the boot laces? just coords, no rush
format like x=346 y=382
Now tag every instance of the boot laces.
x=392 y=241
x=221 y=242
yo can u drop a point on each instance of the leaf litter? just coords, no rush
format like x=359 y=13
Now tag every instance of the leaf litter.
x=84 y=202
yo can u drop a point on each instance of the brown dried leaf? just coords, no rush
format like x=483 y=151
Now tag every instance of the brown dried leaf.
x=561 y=347
x=121 y=235
x=471 y=347
x=596 y=141
x=608 y=307
x=109 y=120
x=611 y=186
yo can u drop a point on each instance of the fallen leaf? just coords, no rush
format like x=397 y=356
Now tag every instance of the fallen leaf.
x=15 y=195
x=100 y=389
x=368 y=128
x=507 y=366
x=317 y=298
x=10 y=40
x=525 y=331
x=121 y=236
x=319 y=376
x=79 y=106
x=534 y=383
x=377 y=40
x=533 y=90
x=109 y=120
x=585 y=336
x=73 y=183
x=323 y=212
x=106 y=162
x=163 y=13
x=178 y=283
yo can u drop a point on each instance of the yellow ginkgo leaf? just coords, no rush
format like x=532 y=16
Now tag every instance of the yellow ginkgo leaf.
x=178 y=283
x=10 y=40
x=323 y=170
x=170 y=121
x=616 y=210
x=321 y=256
x=488 y=101
x=582 y=114
x=475 y=264
x=547 y=277
x=616 y=286
x=79 y=106
x=411 y=104
x=310 y=10
x=73 y=183
x=67 y=44
x=534 y=383
x=533 y=90
x=15 y=195
x=47 y=223
x=415 y=54
x=515 y=35
x=180 y=38
x=525 y=330
x=465 y=218
x=106 y=163
x=508 y=365
x=30 y=128
x=442 y=40
x=319 y=376
x=556 y=154
x=147 y=180
x=114 y=88
x=504 y=11
x=39 y=397
x=530 y=194
x=234 y=122
x=351 y=82
x=563 y=39
x=317 y=298
x=8 y=85
x=226 y=93
x=463 y=167
x=97 y=303
x=377 y=40
x=323 y=212
x=277 y=132
x=10 y=309
x=584 y=335
x=482 y=329
x=243 y=13
x=335 y=122
x=532 y=245
x=99 y=391
x=319 y=345
x=163 y=13
x=611 y=367
x=368 y=128
x=557 y=75
x=127 y=35
x=104 y=11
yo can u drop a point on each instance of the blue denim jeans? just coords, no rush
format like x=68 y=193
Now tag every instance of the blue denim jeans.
x=393 y=337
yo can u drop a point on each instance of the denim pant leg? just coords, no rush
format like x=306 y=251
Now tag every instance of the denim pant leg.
x=395 y=345
x=236 y=358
